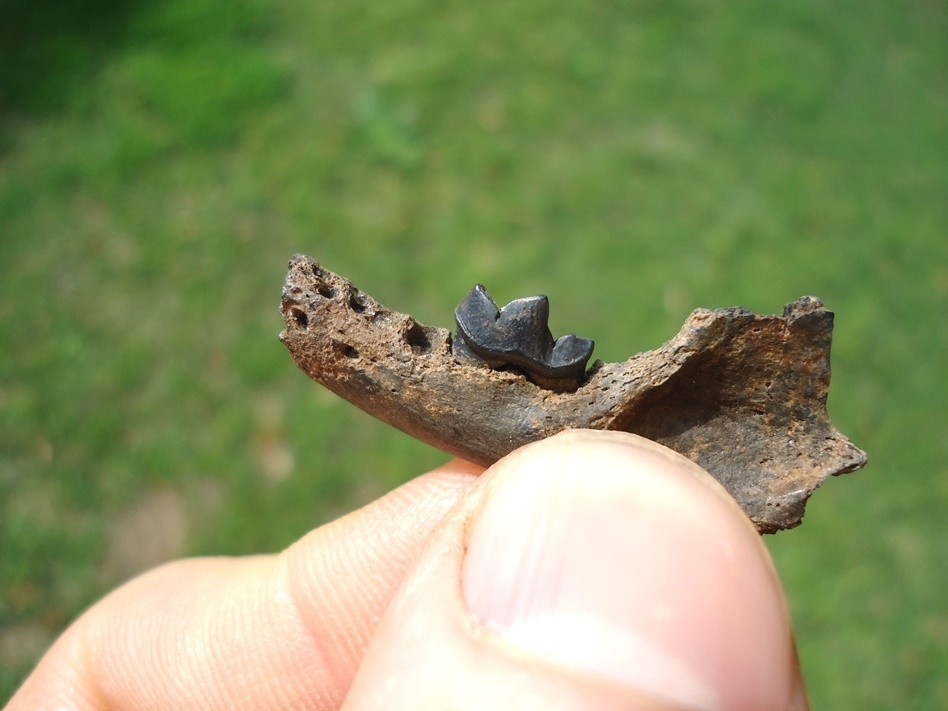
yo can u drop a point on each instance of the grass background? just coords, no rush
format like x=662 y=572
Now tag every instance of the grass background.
x=161 y=159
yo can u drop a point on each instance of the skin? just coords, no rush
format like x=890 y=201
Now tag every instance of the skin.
x=592 y=570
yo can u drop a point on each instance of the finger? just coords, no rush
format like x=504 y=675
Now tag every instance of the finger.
x=283 y=631
x=588 y=571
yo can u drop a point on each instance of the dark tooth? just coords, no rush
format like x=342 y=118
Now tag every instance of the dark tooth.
x=519 y=335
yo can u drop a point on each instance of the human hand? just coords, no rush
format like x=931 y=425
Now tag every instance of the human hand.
x=592 y=570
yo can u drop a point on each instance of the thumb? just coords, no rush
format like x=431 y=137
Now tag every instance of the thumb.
x=588 y=571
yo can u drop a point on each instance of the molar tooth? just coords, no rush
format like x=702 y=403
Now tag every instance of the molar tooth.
x=519 y=335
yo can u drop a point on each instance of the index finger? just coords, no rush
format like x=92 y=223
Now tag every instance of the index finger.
x=280 y=631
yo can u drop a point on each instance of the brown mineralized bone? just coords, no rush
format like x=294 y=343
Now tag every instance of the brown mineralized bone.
x=741 y=394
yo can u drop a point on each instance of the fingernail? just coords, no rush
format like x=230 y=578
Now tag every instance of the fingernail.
x=614 y=560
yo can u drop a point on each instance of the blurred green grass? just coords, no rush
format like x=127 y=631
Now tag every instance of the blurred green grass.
x=161 y=159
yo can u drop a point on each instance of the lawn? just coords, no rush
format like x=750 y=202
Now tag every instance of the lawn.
x=161 y=159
